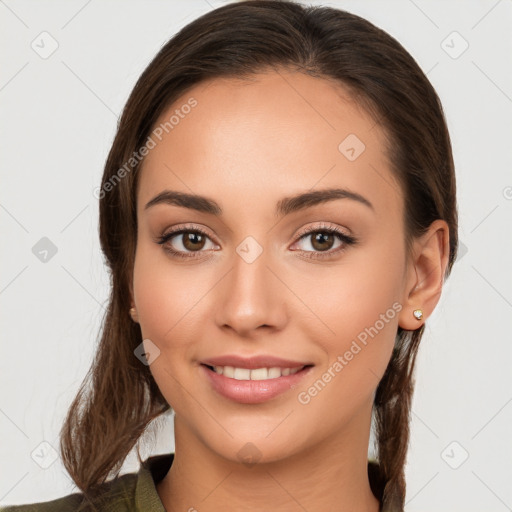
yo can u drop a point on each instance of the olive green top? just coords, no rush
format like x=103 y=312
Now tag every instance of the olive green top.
x=136 y=492
x=131 y=492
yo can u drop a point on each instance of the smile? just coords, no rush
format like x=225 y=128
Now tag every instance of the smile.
x=253 y=385
x=255 y=373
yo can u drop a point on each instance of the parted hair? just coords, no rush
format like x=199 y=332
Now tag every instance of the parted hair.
x=118 y=397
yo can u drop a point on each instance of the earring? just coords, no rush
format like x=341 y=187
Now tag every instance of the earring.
x=133 y=313
x=418 y=314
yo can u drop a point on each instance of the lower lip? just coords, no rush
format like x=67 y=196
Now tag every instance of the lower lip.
x=252 y=391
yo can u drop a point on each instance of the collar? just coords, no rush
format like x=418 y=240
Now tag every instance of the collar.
x=151 y=472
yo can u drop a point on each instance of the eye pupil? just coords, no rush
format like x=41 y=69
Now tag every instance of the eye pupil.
x=321 y=238
x=193 y=238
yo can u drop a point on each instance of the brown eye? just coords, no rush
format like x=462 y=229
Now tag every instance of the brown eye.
x=322 y=241
x=193 y=241
x=186 y=243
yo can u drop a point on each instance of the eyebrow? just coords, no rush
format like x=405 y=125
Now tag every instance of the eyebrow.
x=284 y=206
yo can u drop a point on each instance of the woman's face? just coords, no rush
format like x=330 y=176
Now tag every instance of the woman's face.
x=268 y=278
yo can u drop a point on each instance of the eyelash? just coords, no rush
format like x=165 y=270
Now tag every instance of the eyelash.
x=347 y=240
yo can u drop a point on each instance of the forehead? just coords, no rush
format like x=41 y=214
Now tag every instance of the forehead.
x=248 y=143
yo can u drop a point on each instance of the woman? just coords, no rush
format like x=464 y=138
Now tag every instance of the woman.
x=278 y=212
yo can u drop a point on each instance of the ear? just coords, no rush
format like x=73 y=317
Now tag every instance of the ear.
x=425 y=274
x=133 y=309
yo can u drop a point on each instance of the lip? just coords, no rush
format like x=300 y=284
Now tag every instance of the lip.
x=253 y=391
x=261 y=361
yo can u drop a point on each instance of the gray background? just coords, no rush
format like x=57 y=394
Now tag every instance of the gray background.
x=58 y=118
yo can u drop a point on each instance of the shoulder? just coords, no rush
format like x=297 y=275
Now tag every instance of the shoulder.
x=70 y=502
x=117 y=495
x=130 y=492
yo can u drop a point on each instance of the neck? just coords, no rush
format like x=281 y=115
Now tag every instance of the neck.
x=333 y=476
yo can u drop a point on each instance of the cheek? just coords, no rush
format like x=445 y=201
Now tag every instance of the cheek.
x=165 y=295
x=351 y=296
x=155 y=290
x=356 y=317
x=168 y=297
x=356 y=357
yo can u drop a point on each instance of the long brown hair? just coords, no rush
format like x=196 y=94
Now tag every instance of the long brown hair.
x=119 y=397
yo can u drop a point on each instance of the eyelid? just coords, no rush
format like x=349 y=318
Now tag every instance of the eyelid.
x=318 y=227
x=334 y=229
x=306 y=230
x=186 y=227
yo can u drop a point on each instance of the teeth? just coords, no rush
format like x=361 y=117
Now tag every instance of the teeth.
x=229 y=371
x=259 y=374
x=273 y=373
x=254 y=374
x=242 y=374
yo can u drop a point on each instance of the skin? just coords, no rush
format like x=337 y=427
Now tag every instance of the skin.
x=275 y=136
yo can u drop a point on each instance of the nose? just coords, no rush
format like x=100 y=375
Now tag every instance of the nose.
x=251 y=298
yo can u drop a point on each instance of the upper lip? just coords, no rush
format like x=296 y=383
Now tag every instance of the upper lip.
x=262 y=361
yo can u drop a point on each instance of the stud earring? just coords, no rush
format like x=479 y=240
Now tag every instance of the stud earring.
x=418 y=314
x=133 y=313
